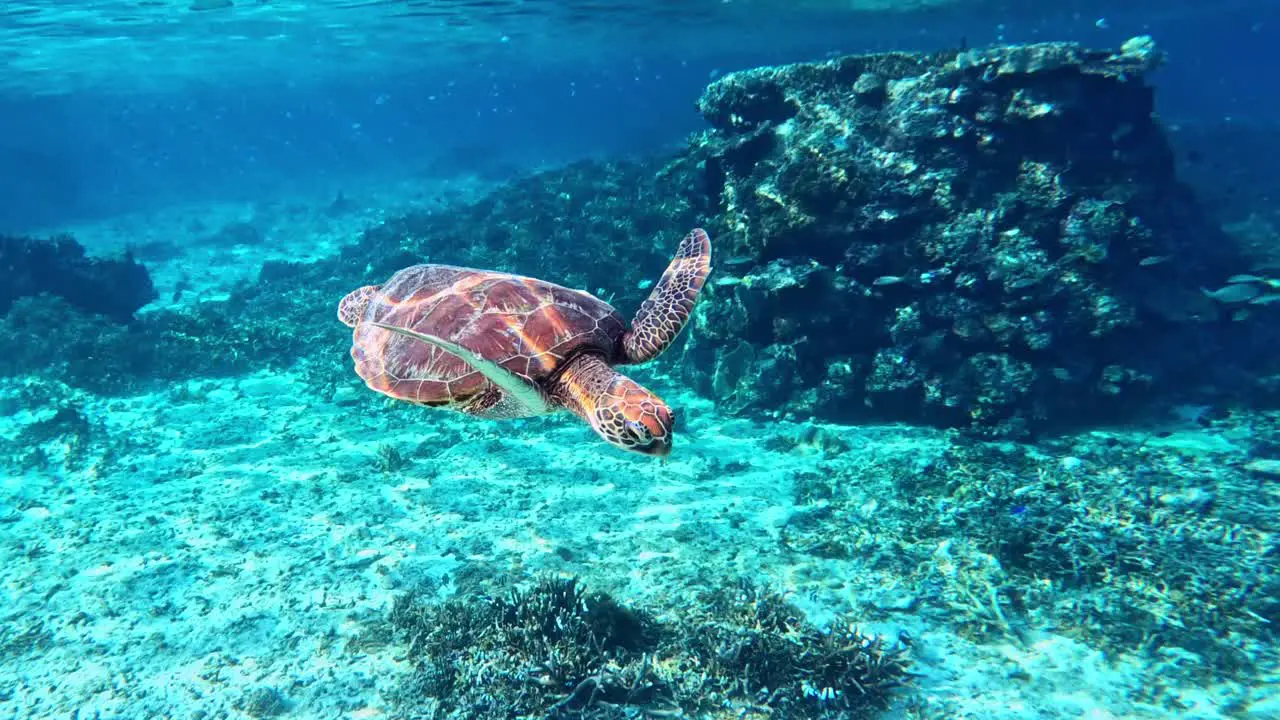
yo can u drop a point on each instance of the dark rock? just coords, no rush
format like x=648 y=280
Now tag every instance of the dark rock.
x=993 y=238
x=114 y=288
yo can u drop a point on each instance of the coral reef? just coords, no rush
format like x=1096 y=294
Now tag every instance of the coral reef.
x=114 y=288
x=602 y=226
x=559 y=651
x=1136 y=544
x=992 y=238
x=558 y=225
x=156 y=348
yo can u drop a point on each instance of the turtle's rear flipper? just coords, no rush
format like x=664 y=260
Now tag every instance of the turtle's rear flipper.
x=352 y=308
x=667 y=309
x=515 y=387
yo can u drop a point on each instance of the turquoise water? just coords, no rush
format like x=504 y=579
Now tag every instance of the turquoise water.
x=560 y=359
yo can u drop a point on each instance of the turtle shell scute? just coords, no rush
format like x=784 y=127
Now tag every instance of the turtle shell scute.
x=528 y=326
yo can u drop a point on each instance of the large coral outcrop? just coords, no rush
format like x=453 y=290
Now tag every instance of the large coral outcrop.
x=991 y=238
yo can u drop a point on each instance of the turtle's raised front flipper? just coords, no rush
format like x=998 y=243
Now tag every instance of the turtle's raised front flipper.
x=513 y=386
x=667 y=309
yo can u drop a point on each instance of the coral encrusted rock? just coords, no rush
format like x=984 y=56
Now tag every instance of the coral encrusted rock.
x=987 y=238
x=114 y=288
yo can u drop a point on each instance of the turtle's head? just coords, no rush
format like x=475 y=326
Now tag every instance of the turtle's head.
x=618 y=408
x=634 y=419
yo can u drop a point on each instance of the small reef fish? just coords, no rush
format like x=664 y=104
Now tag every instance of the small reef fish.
x=1154 y=260
x=1234 y=293
x=888 y=280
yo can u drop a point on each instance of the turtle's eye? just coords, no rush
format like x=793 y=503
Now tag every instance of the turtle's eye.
x=639 y=431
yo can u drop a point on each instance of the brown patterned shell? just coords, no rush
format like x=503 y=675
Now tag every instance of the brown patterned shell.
x=527 y=325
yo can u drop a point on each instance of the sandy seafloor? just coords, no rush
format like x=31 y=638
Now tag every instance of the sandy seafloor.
x=230 y=534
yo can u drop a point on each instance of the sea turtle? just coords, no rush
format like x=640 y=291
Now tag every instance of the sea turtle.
x=496 y=345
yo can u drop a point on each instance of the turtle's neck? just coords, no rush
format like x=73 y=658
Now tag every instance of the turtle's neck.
x=581 y=383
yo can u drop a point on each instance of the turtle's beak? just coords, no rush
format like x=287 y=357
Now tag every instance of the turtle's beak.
x=658 y=447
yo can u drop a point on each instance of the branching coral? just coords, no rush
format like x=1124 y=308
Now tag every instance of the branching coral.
x=1133 y=547
x=558 y=651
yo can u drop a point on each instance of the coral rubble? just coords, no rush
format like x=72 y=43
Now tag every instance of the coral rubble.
x=559 y=651
x=1152 y=544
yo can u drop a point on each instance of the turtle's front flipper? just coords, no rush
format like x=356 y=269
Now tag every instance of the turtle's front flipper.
x=514 y=386
x=667 y=309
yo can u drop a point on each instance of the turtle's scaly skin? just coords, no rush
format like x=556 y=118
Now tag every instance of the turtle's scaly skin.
x=619 y=409
x=563 y=343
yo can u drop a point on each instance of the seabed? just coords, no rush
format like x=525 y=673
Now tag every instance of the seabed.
x=188 y=551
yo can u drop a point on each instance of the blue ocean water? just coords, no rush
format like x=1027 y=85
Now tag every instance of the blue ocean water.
x=105 y=131
x=961 y=314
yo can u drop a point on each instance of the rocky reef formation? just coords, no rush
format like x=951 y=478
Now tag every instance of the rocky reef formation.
x=112 y=287
x=987 y=238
